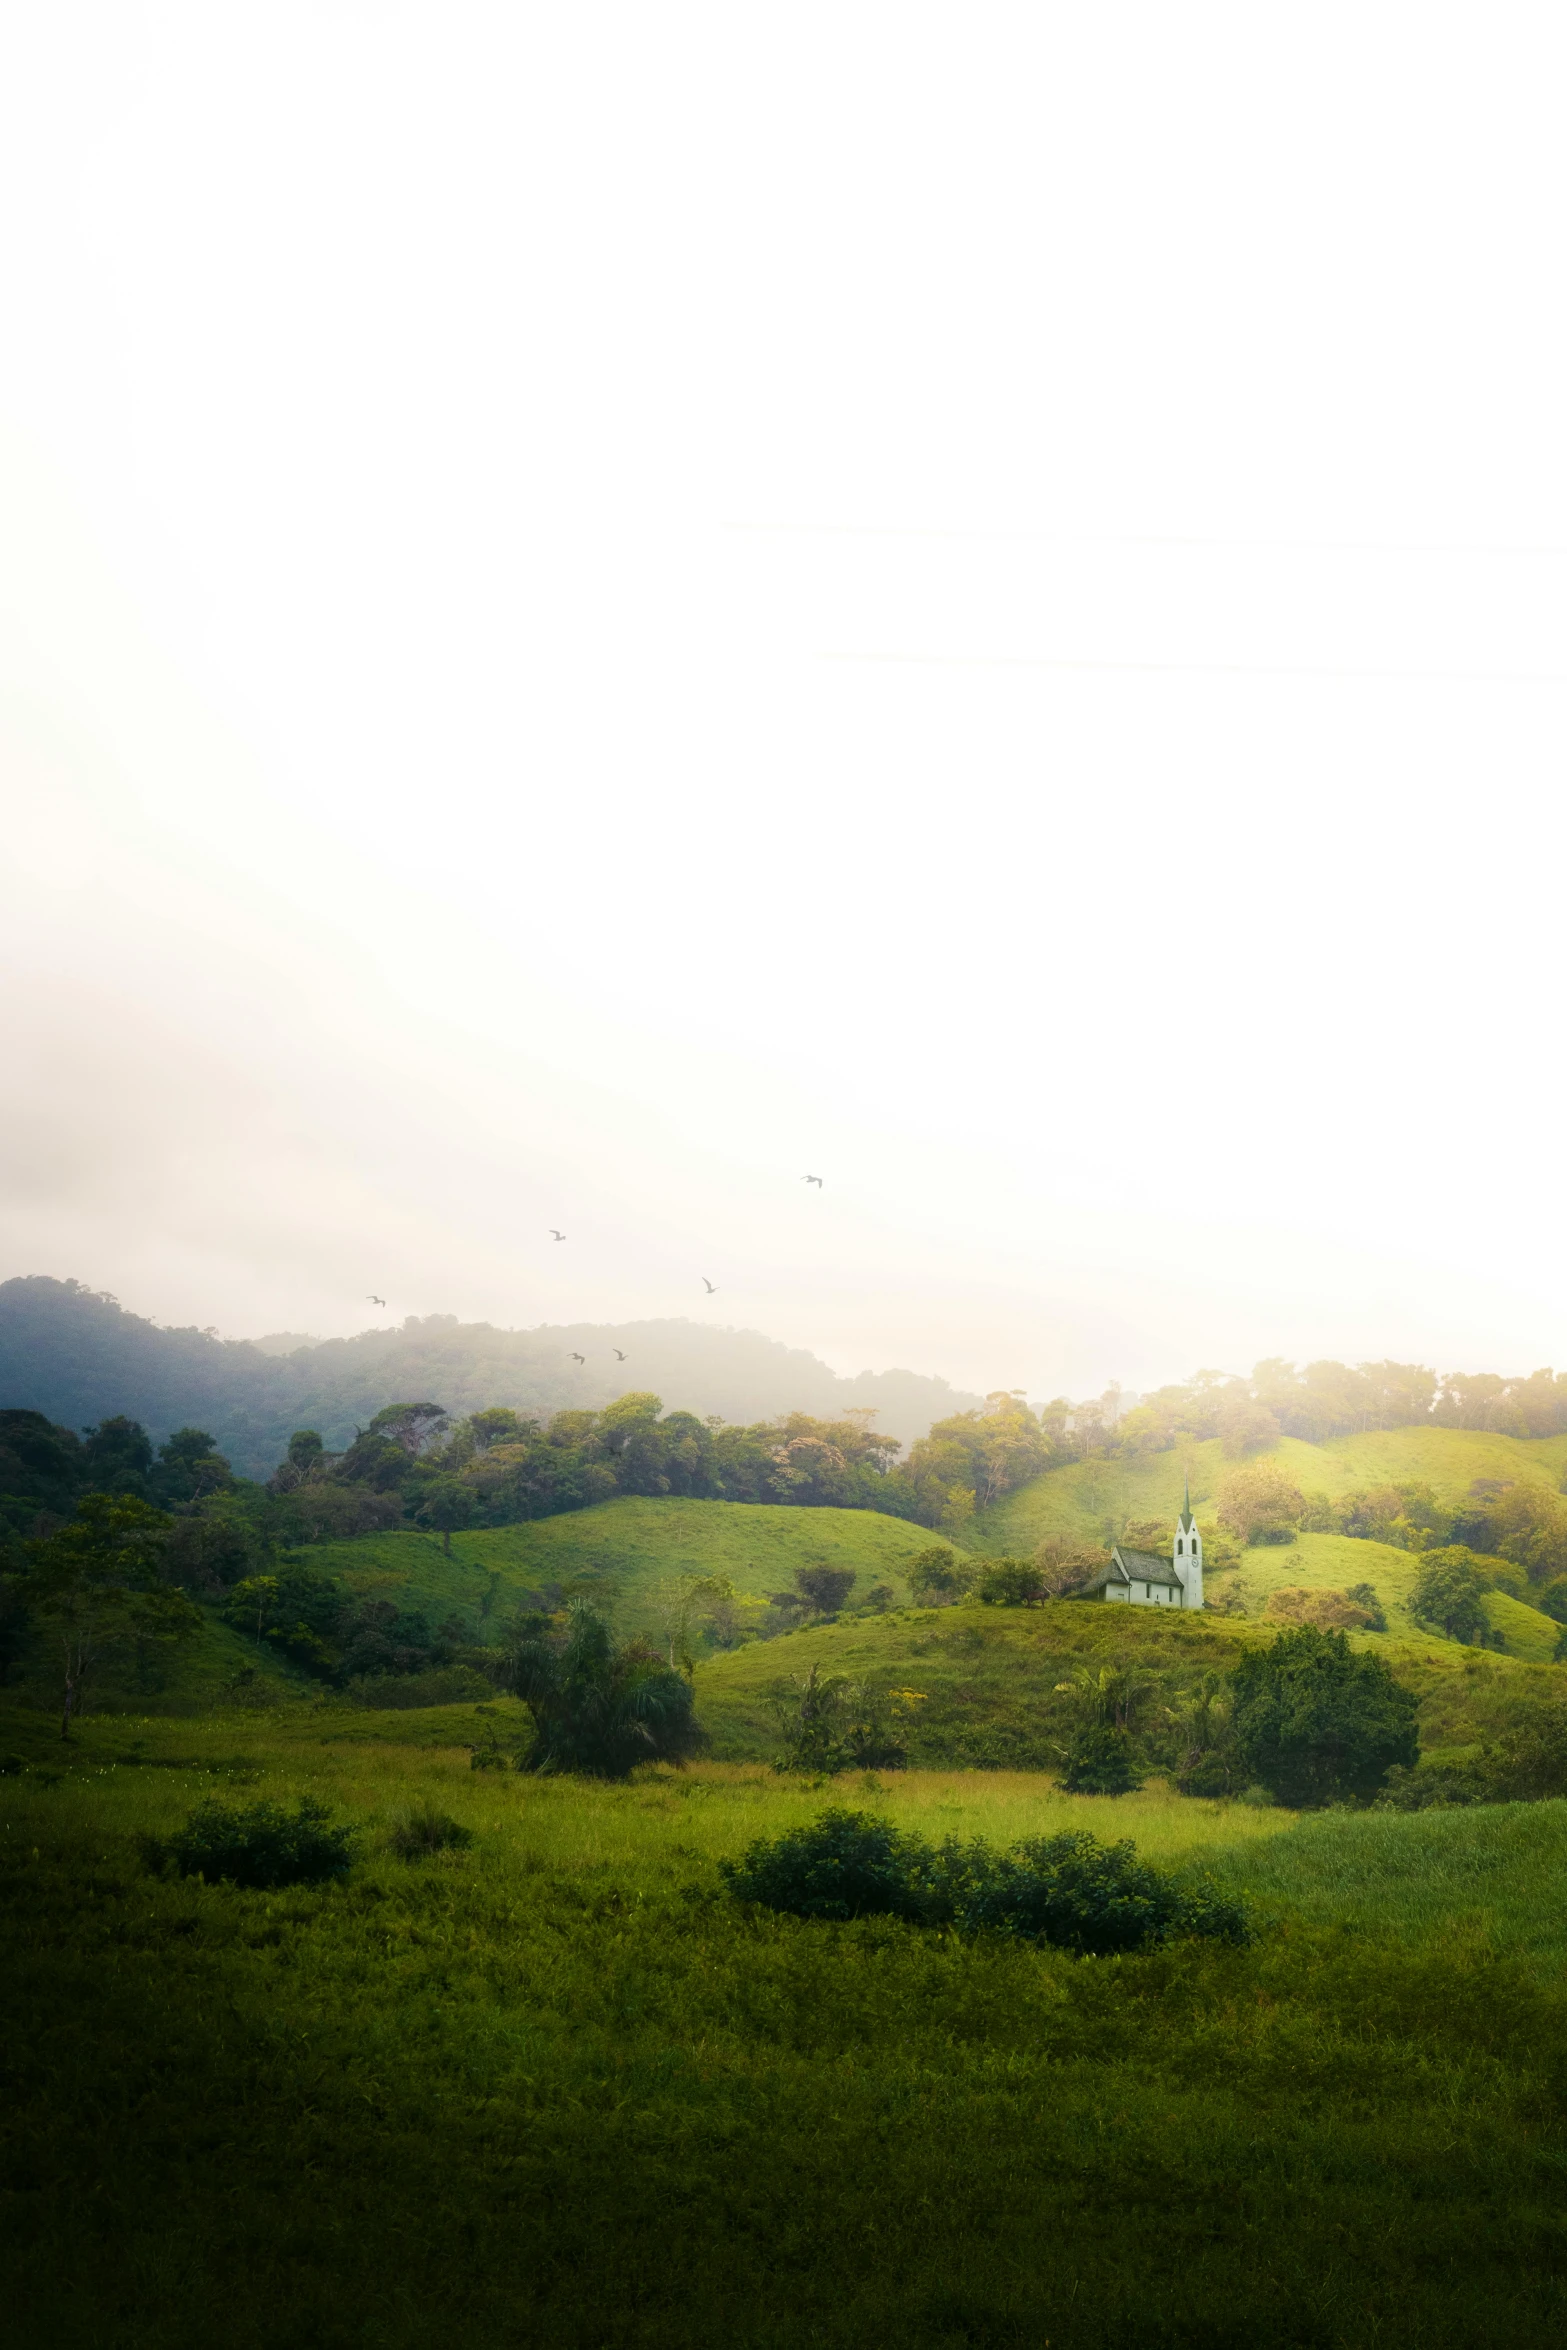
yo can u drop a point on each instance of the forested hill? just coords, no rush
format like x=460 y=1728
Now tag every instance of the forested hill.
x=79 y=1357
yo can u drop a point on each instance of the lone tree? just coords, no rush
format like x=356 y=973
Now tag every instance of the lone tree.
x=1316 y=1723
x=596 y=1708
x=100 y=1582
x=448 y=1506
x=824 y=1589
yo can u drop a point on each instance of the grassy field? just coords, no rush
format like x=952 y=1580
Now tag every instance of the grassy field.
x=1093 y=1498
x=559 y=2088
x=621 y=1549
x=988 y=1677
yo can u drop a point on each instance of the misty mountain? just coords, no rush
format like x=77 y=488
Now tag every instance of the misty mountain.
x=78 y=1356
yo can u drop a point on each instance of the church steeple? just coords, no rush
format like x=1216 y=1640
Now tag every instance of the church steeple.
x=1188 y=1551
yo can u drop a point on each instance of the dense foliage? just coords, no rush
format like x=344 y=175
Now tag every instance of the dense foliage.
x=259 y=1846
x=597 y=1708
x=1071 y=1890
x=1316 y=1722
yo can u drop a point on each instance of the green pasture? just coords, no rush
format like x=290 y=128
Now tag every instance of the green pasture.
x=987 y=1679
x=558 y=2087
x=1092 y=1498
x=620 y=1550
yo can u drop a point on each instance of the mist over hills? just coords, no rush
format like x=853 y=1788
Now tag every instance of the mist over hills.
x=77 y=1355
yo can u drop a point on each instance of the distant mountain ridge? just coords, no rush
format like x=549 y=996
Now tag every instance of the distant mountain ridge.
x=77 y=1355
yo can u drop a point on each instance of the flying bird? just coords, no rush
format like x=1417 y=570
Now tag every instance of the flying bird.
x=576 y=1358
x=710 y=1286
x=377 y=1301
x=554 y=1235
x=615 y=1351
x=816 y=1179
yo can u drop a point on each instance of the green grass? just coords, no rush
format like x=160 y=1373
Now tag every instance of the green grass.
x=557 y=2088
x=623 y=1548
x=1481 y=1877
x=1092 y=1498
x=988 y=1677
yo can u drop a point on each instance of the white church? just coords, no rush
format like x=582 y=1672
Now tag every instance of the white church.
x=1144 y=1579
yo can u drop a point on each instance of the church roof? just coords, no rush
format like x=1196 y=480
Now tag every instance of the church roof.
x=1133 y=1566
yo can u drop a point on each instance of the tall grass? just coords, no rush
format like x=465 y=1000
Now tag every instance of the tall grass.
x=555 y=2087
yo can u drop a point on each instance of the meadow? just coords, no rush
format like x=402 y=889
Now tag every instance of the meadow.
x=619 y=1551
x=560 y=2086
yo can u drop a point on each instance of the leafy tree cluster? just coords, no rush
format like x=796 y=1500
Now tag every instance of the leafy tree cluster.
x=1324 y=1400
x=310 y=1619
x=1525 y=1761
x=831 y=1723
x=598 y=1708
x=1308 y=1718
x=414 y=1463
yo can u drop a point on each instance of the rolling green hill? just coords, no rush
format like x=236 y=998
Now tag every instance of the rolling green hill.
x=622 y=1549
x=1092 y=1500
x=988 y=1678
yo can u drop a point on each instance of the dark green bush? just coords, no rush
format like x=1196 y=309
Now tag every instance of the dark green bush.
x=1426 y=1786
x=1099 y=1761
x=1093 y=1898
x=257 y=1845
x=846 y=1864
x=419 y=1833
x=1069 y=1890
x=1318 y=1722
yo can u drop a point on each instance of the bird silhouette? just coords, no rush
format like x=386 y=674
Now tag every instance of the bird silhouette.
x=576 y=1358
x=615 y=1351
x=710 y=1286
x=377 y=1301
x=816 y=1179
x=554 y=1235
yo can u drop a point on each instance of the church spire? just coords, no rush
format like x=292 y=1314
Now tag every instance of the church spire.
x=1185 y=1521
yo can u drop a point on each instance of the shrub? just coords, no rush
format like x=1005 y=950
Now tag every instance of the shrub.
x=832 y=1724
x=1364 y=1596
x=419 y=1833
x=824 y=1589
x=1261 y=1504
x=1430 y=1785
x=1450 y=1592
x=1099 y=1761
x=437 y=1685
x=938 y=1576
x=1296 y=1604
x=1316 y=1723
x=259 y=1845
x=1096 y=1899
x=1069 y=1890
x=1012 y=1583
x=844 y=1865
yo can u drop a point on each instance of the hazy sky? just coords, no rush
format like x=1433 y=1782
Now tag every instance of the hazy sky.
x=605 y=606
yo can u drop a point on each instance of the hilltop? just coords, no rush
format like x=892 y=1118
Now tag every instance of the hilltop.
x=1092 y=1500
x=78 y=1357
x=987 y=1678
x=618 y=1552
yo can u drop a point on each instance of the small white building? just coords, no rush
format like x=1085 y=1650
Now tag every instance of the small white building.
x=1144 y=1579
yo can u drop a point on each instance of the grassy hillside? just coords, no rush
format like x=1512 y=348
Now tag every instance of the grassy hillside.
x=988 y=1676
x=558 y=2087
x=622 y=1549
x=1092 y=1499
